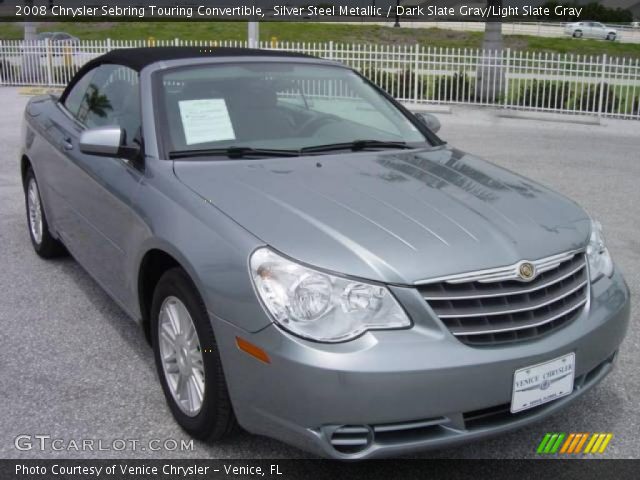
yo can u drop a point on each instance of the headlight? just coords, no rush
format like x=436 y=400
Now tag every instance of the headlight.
x=320 y=306
x=600 y=262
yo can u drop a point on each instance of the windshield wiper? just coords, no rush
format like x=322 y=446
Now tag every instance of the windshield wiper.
x=355 y=146
x=234 y=152
x=242 y=152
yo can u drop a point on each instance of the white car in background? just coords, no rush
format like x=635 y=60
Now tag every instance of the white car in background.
x=58 y=38
x=590 y=30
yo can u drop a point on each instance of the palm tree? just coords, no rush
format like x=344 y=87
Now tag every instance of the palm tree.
x=30 y=58
x=490 y=72
x=29 y=27
x=94 y=102
x=493 y=30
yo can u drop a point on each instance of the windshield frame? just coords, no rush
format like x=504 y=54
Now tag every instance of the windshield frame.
x=161 y=119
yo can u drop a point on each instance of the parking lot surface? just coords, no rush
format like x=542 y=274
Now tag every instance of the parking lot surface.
x=74 y=367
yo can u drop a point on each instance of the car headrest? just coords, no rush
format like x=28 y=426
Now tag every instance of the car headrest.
x=254 y=98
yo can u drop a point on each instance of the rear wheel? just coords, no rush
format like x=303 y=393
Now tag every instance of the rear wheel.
x=43 y=242
x=611 y=36
x=187 y=359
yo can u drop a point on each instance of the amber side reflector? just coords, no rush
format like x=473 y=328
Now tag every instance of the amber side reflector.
x=252 y=350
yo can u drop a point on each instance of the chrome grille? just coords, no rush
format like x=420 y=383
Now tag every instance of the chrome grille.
x=496 y=307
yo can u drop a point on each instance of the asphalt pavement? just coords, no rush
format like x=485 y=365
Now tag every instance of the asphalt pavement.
x=73 y=366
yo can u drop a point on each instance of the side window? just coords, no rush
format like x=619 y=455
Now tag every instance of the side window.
x=73 y=100
x=112 y=98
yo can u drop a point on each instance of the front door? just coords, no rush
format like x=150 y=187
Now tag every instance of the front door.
x=96 y=190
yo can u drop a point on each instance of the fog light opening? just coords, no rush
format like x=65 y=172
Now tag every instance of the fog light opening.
x=350 y=439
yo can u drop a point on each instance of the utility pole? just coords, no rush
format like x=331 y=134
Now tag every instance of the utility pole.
x=253 y=34
x=29 y=27
x=397 y=24
x=30 y=58
x=29 y=31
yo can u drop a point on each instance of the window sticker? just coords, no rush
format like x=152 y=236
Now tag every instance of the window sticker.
x=206 y=120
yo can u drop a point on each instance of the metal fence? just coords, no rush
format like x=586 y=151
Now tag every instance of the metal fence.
x=575 y=84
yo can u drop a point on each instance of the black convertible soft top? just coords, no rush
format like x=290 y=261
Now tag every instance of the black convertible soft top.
x=138 y=58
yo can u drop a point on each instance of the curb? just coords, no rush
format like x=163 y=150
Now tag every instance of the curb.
x=550 y=117
x=425 y=107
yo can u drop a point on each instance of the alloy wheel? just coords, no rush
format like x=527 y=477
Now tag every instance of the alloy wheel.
x=181 y=356
x=35 y=211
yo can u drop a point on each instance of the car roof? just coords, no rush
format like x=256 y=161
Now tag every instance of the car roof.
x=138 y=58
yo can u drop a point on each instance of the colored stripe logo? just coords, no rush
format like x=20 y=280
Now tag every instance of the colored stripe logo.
x=574 y=443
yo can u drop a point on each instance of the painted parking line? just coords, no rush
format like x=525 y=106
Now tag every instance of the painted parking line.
x=30 y=91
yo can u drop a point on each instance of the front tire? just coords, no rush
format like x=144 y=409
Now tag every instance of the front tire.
x=188 y=360
x=43 y=242
x=577 y=34
x=611 y=36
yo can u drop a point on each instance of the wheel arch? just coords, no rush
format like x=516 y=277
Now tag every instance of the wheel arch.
x=154 y=263
x=25 y=165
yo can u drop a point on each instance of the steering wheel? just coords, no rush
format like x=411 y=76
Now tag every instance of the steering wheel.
x=309 y=126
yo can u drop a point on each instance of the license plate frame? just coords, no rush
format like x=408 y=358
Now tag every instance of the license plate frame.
x=544 y=382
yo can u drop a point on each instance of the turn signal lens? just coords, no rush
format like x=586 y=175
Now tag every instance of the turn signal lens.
x=252 y=350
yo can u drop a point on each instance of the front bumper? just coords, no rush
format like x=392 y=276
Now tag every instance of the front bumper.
x=407 y=390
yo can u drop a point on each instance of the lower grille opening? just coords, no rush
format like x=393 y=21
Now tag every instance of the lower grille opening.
x=488 y=417
x=492 y=416
x=408 y=431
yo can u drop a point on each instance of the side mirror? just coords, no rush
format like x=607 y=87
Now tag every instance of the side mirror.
x=107 y=142
x=431 y=121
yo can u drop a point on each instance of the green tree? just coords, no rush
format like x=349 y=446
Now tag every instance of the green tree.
x=96 y=103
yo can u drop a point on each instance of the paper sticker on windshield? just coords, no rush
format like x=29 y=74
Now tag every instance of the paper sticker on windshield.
x=206 y=120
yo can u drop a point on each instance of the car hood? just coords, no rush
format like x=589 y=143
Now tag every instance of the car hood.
x=394 y=216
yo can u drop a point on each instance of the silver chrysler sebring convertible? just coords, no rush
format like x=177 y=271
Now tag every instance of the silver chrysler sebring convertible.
x=310 y=261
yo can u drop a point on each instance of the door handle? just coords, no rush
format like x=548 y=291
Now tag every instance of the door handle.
x=67 y=144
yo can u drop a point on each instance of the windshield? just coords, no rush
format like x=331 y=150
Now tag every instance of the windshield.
x=282 y=107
